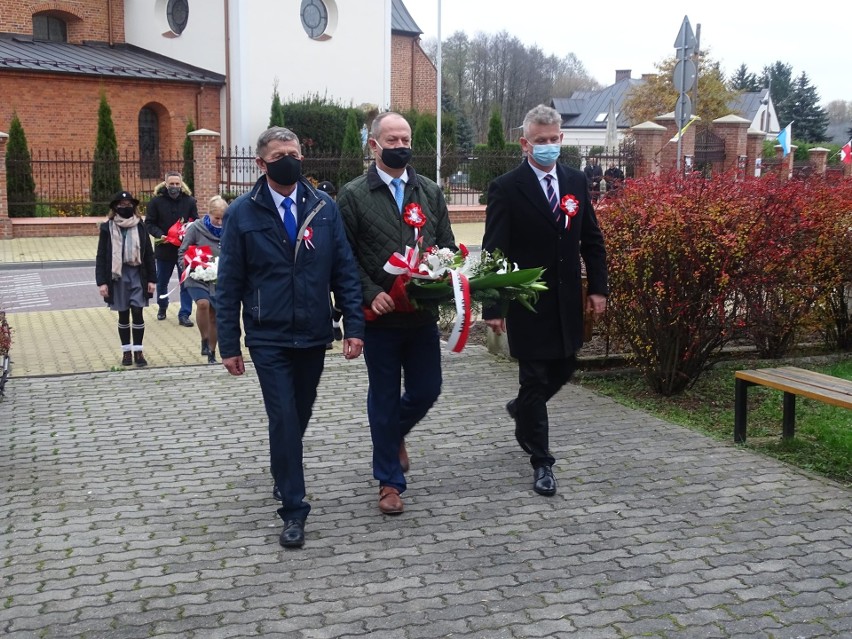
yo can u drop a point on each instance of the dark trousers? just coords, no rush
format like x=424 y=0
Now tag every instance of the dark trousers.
x=390 y=353
x=540 y=379
x=288 y=380
x=165 y=268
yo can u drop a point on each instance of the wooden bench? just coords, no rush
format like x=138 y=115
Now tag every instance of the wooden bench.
x=791 y=381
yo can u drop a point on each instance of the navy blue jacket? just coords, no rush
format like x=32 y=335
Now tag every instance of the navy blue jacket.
x=284 y=289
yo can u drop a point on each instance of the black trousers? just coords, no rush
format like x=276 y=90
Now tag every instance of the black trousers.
x=540 y=379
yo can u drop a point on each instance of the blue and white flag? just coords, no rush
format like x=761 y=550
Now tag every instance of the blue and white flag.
x=785 y=138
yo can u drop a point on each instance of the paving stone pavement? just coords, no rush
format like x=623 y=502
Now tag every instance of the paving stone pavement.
x=137 y=504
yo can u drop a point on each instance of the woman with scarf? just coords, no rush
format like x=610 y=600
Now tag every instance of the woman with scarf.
x=125 y=272
x=204 y=233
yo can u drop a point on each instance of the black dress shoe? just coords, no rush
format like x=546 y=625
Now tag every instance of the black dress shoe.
x=161 y=314
x=513 y=413
x=545 y=482
x=185 y=321
x=276 y=494
x=293 y=535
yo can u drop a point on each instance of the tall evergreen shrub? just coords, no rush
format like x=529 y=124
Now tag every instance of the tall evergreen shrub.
x=20 y=185
x=106 y=171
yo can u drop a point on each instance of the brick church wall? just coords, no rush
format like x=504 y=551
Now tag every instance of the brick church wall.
x=414 y=79
x=61 y=111
x=85 y=20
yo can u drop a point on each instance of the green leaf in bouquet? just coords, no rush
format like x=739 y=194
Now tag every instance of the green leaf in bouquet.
x=502 y=280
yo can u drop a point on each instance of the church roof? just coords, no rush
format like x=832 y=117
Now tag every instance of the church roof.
x=401 y=20
x=22 y=53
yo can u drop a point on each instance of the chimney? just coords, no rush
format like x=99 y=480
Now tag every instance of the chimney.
x=622 y=74
x=648 y=76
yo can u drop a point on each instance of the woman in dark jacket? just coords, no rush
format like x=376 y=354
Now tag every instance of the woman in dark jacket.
x=125 y=272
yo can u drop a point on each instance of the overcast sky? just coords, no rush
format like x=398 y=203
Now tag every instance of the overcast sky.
x=615 y=34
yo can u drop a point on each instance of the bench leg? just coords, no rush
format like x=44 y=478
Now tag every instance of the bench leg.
x=740 y=409
x=789 y=424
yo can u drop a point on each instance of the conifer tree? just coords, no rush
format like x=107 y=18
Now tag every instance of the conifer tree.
x=742 y=80
x=351 y=155
x=20 y=185
x=276 y=112
x=811 y=120
x=106 y=172
x=424 y=141
x=188 y=172
x=496 y=138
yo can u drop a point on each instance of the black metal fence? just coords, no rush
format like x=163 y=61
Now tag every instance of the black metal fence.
x=63 y=181
x=464 y=176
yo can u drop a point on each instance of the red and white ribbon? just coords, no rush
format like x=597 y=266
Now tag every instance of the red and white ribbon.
x=195 y=257
x=407 y=264
x=309 y=233
x=461 y=326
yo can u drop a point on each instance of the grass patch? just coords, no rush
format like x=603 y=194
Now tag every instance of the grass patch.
x=823 y=441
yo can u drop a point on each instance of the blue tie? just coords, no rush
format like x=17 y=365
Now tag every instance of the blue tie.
x=551 y=195
x=289 y=220
x=398 y=192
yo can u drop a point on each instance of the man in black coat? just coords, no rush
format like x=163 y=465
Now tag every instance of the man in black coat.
x=540 y=214
x=172 y=202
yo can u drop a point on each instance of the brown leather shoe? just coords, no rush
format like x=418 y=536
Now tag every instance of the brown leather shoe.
x=390 y=503
x=403 y=457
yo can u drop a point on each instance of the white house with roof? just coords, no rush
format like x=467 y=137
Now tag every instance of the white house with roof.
x=585 y=114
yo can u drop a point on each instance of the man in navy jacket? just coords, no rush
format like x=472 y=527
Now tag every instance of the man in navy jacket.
x=283 y=249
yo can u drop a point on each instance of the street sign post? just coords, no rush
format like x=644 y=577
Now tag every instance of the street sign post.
x=685 y=74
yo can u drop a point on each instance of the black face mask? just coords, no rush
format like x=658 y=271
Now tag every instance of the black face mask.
x=285 y=171
x=396 y=158
x=124 y=211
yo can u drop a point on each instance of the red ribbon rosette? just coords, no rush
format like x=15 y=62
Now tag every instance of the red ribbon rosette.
x=571 y=206
x=307 y=236
x=195 y=257
x=413 y=216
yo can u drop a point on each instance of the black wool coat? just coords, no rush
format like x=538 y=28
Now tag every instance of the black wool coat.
x=103 y=260
x=519 y=221
x=162 y=212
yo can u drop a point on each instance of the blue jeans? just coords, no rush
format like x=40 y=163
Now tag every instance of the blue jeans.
x=165 y=268
x=390 y=352
x=288 y=380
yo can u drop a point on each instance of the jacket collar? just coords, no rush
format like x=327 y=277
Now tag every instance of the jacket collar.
x=307 y=194
x=374 y=180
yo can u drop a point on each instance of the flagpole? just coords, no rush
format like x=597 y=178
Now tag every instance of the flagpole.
x=438 y=117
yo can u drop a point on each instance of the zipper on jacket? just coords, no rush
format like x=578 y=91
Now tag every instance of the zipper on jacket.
x=258 y=307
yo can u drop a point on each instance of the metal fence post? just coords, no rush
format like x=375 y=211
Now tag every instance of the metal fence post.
x=5 y=222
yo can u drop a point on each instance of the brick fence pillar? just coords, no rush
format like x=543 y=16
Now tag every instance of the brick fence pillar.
x=5 y=222
x=205 y=147
x=818 y=157
x=649 y=142
x=668 y=156
x=754 y=152
x=732 y=129
x=786 y=170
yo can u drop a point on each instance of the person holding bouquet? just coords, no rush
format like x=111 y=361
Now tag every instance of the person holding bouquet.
x=540 y=214
x=166 y=217
x=386 y=210
x=206 y=232
x=283 y=249
x=125 y=272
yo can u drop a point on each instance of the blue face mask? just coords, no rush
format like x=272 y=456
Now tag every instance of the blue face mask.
x=546 y=154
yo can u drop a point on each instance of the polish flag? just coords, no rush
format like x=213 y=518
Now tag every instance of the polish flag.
x=846 y=153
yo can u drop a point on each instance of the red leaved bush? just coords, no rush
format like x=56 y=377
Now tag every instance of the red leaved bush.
x=694 y=262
